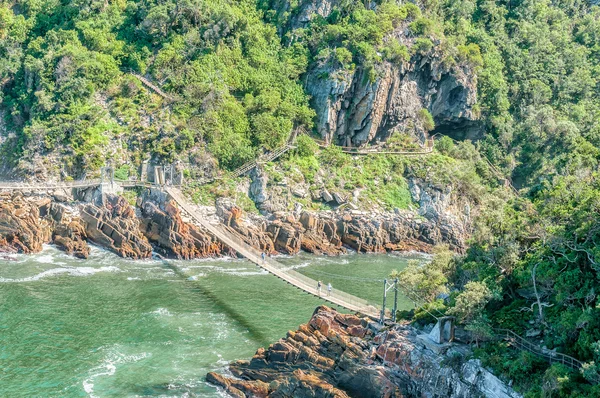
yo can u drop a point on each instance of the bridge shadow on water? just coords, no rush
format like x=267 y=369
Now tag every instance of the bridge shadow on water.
x=255 y=334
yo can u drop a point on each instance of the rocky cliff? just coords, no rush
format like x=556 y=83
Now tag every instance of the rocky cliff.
x=336 y=355
x=116 y=227
x=331 y=232
x=21 y=227
x=353 y=108
x=174 y=237
x=26 y=223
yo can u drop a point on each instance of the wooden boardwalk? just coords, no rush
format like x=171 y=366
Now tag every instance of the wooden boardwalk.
x=425 y=150
x=294 y=278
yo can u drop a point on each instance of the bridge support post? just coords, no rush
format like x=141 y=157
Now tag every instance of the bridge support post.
x=387 y=286
x=395 y=310
x=382 y=317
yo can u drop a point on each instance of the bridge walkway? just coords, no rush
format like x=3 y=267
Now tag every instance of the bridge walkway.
x=272 y=266
x=22 y=186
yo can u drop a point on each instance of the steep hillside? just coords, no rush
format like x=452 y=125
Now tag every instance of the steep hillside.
x=379 y=70
x=70 y=104
x=521 y=78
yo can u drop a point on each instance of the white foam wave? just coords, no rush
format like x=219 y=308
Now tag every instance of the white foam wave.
x=412 y=254
x=162 y=312
x=245 y=273
x=109 y=367
x=195 y=277
x=73 y=271
x=297 y=266
x=191 y=267
x=48 y=259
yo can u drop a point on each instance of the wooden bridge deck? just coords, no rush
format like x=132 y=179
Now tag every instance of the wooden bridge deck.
x=294 y=278
x=22 y=186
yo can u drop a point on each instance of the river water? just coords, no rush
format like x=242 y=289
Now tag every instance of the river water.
x=109 y=327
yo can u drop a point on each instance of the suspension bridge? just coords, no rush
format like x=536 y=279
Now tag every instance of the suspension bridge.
x=302 y=282
x=294 y=278
x=272 y=266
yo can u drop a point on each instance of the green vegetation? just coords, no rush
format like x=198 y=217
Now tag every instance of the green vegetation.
x=65 y=91
x=426 y=119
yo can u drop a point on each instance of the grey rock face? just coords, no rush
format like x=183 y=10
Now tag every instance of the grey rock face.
x=433 y=202
x=258 y=186
x=351 y=110
x=308 y=9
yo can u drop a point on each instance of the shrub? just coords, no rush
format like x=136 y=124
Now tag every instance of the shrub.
x=445 y=145
x=305 y=146
x=395 y=52
x=343 y=56
x=471 y=301
x=422 y=46
x=333 y=156
x=422 y=26
x=426 y=119
x=122 y=173
x=471 y=54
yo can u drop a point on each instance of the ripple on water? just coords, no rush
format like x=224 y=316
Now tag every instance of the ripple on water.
x=161 y=312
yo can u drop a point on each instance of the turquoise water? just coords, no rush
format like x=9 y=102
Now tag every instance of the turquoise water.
x=109 y=327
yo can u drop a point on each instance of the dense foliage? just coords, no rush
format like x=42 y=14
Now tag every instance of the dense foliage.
x=65 y=90
x=533 y=263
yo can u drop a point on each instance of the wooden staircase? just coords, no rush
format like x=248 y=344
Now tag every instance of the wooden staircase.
x=153 y=87
x=246 y=167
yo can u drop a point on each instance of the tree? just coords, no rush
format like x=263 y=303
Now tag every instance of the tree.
x=480 y=328
x=471 y=301
x=426 y=119
x=424 y=282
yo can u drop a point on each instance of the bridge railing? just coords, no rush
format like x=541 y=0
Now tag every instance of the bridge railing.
x=13 y=185
x=57 y=185
x=302 y=281
x=426 y=149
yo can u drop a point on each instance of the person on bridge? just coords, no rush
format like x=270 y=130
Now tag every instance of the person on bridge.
x=329 y=289
x=319 y=284
x=263 y=256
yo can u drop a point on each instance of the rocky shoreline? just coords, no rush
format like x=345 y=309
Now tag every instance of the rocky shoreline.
x=155 y=224
x=337 y=355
